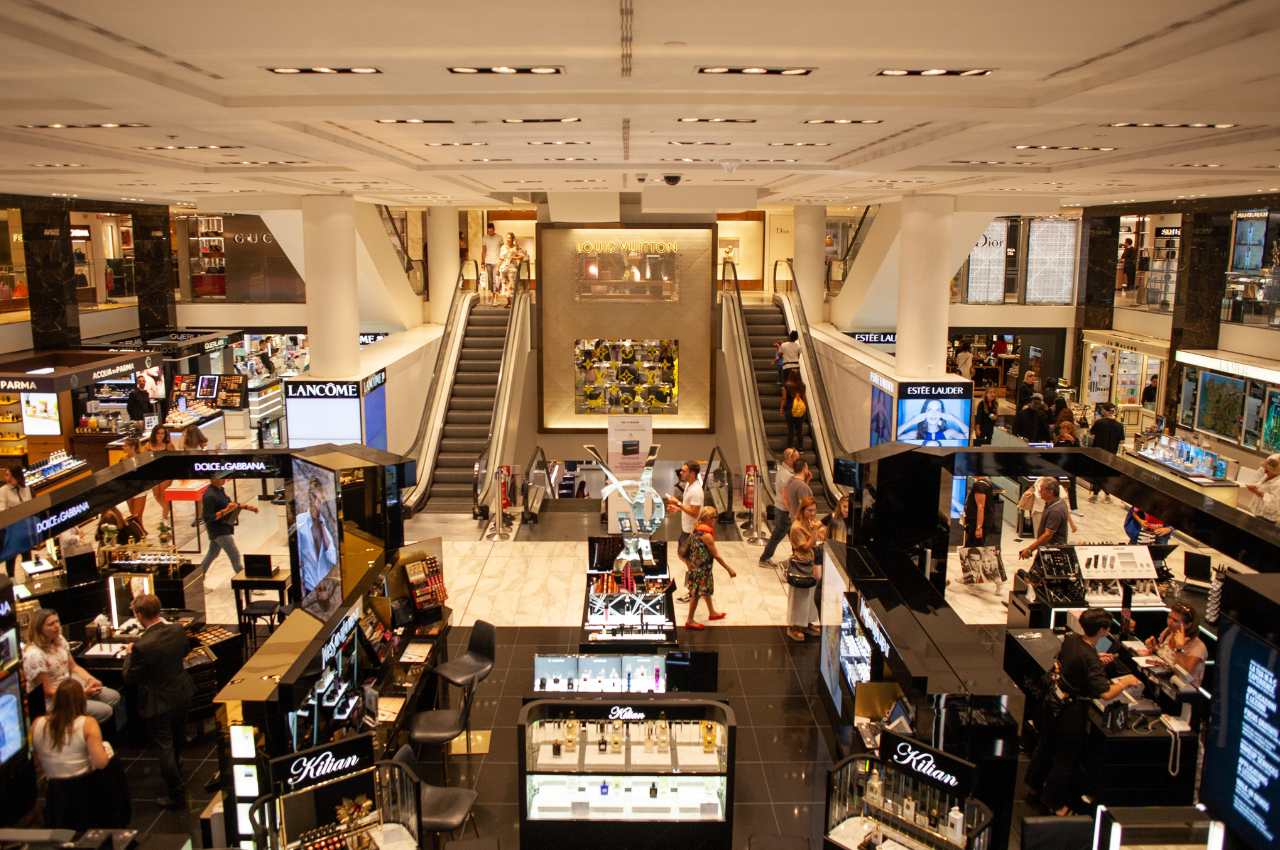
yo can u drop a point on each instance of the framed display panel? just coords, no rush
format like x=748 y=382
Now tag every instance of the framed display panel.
x=631 y=376
x=621 y=283
x=589 y=768
x=881 y=417
x=1219 y=405
x=1270 y=442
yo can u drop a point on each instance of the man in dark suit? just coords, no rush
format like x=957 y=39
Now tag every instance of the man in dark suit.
x=165 y=689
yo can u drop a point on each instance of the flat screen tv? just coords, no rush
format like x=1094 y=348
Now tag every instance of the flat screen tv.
x=1219 y=405
x=1239 y=755
x=316 y=536
x=881 y=417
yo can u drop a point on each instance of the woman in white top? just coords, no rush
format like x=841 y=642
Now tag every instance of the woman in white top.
x=509 y=270
x=48 y=663
x=1266 y=493
x=14 y=492
x=67 y=741
x=1180 y=644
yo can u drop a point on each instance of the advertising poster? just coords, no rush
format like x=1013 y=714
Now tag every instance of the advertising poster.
x=881 y=417
x=1219 y=405
x=1271 y=423
x=315 y=505
x=40 y=414
x=1100 y=360
x=629 y=440
x=627 y=376
x=934 y=414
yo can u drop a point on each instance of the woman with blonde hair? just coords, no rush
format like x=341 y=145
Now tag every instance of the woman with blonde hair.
x=803 y=574
x=48 y=662
x=702 y=557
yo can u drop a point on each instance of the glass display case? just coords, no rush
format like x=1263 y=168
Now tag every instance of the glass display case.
x=855 y=650
x=627 y=606
x=616 y=674
x=587 y=764
x=875 y=801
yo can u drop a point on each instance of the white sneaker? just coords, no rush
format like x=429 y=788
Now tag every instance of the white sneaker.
x=1078 y=512
x=1094 y=498
x=768 y=565
x=1106 y=500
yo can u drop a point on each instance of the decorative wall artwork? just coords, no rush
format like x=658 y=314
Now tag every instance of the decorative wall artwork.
x=626 y=376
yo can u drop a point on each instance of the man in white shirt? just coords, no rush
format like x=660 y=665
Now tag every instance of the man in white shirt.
x=491 y=255
x=781 y=507
x=689 y=508
x=790 y=354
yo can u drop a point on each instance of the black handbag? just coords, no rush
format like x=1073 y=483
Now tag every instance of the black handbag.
x=800 y=573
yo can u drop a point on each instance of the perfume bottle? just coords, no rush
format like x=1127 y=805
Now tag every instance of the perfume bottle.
x=604 y=788
x=664 y=739
x=655 y=678
x=648 y=738
x=628 y=680
x=571 y=734
x=653 y=790
x=875 y=788
x=555 y=748
x=909 y=809
x=933 y=819
x=708 y=737
x=615 y=737
x=955 y=826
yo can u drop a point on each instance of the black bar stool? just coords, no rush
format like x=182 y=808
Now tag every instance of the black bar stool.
x=260 y=609
x=440 y=726
x=439 y=809
x=473 y=666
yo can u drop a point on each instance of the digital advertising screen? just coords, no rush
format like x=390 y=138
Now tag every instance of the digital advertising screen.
x=375 y=418
x=207 y=386
x=323 y=412
x=881 y=417
x=12 y=731
x=1219 y=405
x=40 y=414
x=315 y=534
x=935 y=414
x=154 y=378
x=1270 y=442
x=1241 y=759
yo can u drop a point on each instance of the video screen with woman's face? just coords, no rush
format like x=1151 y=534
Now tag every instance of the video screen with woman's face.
x=315 y=533
x=935 y=414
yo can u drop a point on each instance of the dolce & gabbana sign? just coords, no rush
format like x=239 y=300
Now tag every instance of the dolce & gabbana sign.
x=322 y=389
x=320 y=764
x=933 y=767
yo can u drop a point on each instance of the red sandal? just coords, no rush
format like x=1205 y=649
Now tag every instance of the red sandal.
x=692 y=625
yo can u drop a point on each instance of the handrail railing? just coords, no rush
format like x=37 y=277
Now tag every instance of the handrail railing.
x=719 y=477
x=398 y=241
x=481 y=482
x=827 y=435
x=789 y=284
x=845 y=263
x=758 y=444
x=426 y=471
x=537 y=464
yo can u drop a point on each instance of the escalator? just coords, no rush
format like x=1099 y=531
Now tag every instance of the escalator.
x=767 y=324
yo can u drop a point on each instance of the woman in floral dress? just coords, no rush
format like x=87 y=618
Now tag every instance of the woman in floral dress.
x=702 y=557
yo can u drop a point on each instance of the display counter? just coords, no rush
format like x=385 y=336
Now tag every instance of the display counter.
x=1135 y=761
x=58 y=469
x=588 y=766
x=210 y=422
x=627 y=610
x=1202 y=471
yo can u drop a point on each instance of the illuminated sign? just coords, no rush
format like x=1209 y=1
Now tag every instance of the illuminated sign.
x=62 y=516
x=374 y=381
x=79 y=233
x=882 y=382
x=926 y=764
x=110 y=371
x=875 y=337
x=339 y=636
x=322 y=389
x=625 y=712
x=872 y=625
x=1251 y=214
x=622 y=246
x=320 y=764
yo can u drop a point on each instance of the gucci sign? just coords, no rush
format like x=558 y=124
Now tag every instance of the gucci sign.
x=253 y=238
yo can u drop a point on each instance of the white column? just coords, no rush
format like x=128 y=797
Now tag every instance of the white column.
x=442 y=260
x=810 y=258
x=924 y=278
x=333 y=304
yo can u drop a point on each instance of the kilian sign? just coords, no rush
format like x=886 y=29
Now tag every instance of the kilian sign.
x=930 y=766
x=320 y=764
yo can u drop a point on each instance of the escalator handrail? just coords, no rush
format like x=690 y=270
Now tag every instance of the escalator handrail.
x=809 y=355
x=851 y=252
x=790 y=284
x=456 y=304
x=530 y=468
x=398 y=241
x=480 y=488
x=759 y=445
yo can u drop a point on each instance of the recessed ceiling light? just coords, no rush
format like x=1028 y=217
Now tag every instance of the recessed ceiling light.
x=557 y=143
x=936 y=72
x=773 y=160
x=484 y=160
x=414 y=120
x=1060 y=148
x=591 y=180
x=190 y=147
x=540 y=120
x=131 y=199
x=686 y=159
x=1182 y=126
x=720 y=144
x=843 y=121
x=324 y=70
x=755 y=70
x=1197 y=165
x=456 y=144
x=799 y=144
x=77 y=126
x=507 y=69
x=716 y=120
x=266 y=162
x=57 y=165
x=570 y=159
x=521 y=181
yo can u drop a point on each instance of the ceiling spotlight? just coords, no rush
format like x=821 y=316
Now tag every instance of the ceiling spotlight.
x=570 y=159
x=714 y=71
x=544 y=71
x=799 y=144
x=843 y=121
x=795 y=72
x=754 y=71
x=484 y=160
x=936 y=72
x=456 y=144
x=57 y=165
x=323 y=71
x=893 y=73
x=364 y=70
x=464 y=70
x=716 y=120
x=502 y=69
x=933 y=72
x=286 y=71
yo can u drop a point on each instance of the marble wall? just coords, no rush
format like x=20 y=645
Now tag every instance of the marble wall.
x=153 y=273
x=1202 y=284
x=51 y=284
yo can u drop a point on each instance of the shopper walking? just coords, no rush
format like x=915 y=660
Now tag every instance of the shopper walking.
x=691 y=501
x=130 y=447
x=1128 y=264
x=160 y=441
x=985 y=418
x=1054 y=521
x=979 y=514
x=218 y=510
x=803 y=574
x=47 y=663
x=509 y=270
x=790 y=348
x=964 y=361
x=702 y=557
x=1065 y=438
x=781 y=507
x=1054 y=773
x=1108 y=434
x=795 y=408
x=154 y=664
x=490 y=257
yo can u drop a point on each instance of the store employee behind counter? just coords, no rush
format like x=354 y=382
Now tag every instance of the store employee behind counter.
x=1054 y=772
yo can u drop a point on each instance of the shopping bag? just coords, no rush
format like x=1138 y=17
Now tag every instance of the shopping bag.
x=992 y=564
x=970 y=564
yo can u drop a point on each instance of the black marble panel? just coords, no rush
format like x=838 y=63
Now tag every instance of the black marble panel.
x=1096 y=294
x=153 y=273
x=51 y=283
x=1202 y=284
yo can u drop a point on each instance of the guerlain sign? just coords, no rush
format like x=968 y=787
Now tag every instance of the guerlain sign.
x=320 y=764
x=926 y=764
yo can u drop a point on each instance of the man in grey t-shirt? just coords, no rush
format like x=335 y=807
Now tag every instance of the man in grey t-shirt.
x=781 y=507
x=1054 y=522
x=798 y=487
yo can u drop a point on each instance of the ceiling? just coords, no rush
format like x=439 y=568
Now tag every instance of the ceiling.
x=197 y=76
